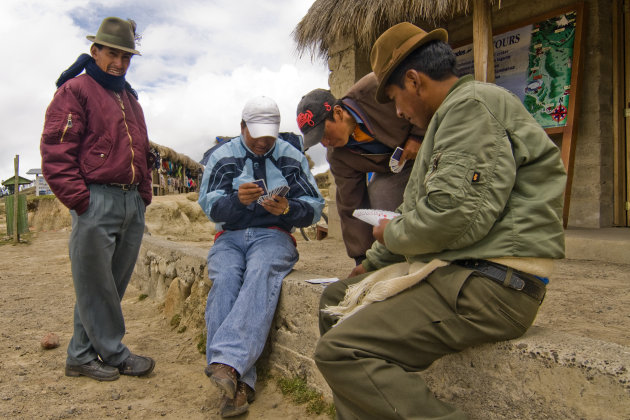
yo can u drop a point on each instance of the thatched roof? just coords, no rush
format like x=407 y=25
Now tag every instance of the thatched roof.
x=366 y=20
x=170 y=154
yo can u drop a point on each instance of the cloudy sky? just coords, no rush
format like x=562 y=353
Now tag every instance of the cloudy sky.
x=201 y=61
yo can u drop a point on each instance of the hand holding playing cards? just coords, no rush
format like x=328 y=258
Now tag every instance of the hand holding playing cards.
x=378 y=231
x=410 y=151
x=248 y=193
x=275 y=205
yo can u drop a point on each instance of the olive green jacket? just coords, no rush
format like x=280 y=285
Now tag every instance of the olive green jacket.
x=488 y=183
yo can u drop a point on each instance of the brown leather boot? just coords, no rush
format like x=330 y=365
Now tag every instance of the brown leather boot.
x=224 y=377
x=231 y=407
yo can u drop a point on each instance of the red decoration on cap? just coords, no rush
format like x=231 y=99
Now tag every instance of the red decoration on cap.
x=328 y=107
x=305 y=118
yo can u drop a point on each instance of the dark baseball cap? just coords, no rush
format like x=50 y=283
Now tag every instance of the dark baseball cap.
x=312 y=111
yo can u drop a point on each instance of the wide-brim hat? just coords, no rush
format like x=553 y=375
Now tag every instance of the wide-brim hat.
x=116 y=33
x=393 y=46
x=262 y=117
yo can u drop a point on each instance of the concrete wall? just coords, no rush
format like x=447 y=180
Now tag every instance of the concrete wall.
x=592 y=191
x=542 y=375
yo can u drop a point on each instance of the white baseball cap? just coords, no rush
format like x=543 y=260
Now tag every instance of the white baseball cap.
x=262 y=117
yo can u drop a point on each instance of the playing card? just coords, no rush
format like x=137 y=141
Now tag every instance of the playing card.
x=394 y=161
x=397 y=153
x=373 y=216
x=280 y=191
x=261 y=184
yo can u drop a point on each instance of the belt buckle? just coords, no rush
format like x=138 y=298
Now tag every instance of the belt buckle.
x=125 y=187
x=516 y=282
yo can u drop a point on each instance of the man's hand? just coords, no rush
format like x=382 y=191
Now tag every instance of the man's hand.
x=248 y=193
x=410 y=151
x=359 y=269
x=276 y=205
x=379 y=231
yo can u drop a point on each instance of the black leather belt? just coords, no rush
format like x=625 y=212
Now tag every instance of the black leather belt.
x=507 y=277
x=124 y=187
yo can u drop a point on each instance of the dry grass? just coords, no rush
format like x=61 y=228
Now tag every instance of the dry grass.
x=364 y=21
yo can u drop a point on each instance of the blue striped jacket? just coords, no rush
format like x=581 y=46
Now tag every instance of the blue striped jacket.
x=234 y=164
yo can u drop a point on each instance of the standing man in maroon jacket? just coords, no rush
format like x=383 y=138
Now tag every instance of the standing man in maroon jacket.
x=95 y=157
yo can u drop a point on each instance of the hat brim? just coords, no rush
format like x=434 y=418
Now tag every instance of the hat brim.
x=257 y=130
x=315 y=135
x=109 y=44
x=407 y=47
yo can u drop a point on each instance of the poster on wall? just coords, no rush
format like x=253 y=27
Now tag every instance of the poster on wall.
x=535 y=63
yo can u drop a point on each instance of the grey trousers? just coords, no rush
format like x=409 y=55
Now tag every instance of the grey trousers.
x=104 y=246
x=372 y=359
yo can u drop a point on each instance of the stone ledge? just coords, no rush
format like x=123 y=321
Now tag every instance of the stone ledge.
x=544 y=374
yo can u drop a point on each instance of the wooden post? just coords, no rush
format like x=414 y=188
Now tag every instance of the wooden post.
x=483 y=48
x=618 y=113
x=16 y=199
x=569 y=133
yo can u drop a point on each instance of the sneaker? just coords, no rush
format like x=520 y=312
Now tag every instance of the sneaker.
x=231 y=407
x=94 y=369
x=136 y=365
x=224 y=377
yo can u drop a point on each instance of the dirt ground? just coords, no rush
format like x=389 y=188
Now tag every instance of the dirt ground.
x=36 y=297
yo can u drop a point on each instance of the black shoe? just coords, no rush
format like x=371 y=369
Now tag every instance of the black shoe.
x=94 y=369
x=136 y=365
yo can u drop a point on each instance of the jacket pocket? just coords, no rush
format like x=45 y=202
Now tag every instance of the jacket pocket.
x=447 y=179
x=96 y=155
x=60 y=126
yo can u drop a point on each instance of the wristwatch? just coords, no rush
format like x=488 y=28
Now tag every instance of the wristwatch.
x=287 y=209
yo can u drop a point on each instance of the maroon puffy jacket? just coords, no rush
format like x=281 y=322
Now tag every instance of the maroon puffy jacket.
x=93 y=136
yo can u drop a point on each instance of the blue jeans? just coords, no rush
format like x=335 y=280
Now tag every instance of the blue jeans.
x=246 y=268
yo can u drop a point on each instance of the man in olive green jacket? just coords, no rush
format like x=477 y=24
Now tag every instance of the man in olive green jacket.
x=483 y=204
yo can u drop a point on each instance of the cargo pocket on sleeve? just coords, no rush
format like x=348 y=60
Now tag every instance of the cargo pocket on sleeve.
x=58 y=126
x=447 y=180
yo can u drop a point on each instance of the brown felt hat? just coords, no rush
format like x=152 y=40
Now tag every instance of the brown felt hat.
x=393 y=46
x=116 y=33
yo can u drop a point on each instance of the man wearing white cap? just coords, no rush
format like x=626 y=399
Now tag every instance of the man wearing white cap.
x=256 y=188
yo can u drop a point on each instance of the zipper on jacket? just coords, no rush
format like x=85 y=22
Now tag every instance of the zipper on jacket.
x=68 y=125
x=122 y=108
x=434 y=165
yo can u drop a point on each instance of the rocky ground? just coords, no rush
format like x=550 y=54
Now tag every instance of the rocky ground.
x=36 y=297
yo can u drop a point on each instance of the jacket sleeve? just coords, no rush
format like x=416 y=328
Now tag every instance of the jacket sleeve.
x=469 y=179
x=305 y=201
x=145 y=187
x=60 y=145
x=216 y=195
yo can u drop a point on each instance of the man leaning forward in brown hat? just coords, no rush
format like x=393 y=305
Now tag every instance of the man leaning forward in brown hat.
x=467 y=260
x=95 y=157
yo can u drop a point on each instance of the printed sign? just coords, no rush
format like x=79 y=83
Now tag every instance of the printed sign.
x=535 y=63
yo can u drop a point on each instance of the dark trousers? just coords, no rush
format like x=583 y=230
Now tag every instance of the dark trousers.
x=372 y=359
x=104 y=246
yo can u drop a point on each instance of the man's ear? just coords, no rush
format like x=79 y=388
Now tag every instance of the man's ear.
x=93 y=51
x=337 y=112
x=413 y=81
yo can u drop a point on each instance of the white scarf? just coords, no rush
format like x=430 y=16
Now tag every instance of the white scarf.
x=380 y=285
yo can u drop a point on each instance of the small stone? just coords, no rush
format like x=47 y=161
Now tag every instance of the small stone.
x=50 y=341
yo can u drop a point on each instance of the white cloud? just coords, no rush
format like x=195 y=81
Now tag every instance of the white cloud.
x=201 y=61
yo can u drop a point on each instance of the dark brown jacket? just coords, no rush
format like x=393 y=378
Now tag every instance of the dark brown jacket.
x=349 y=168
